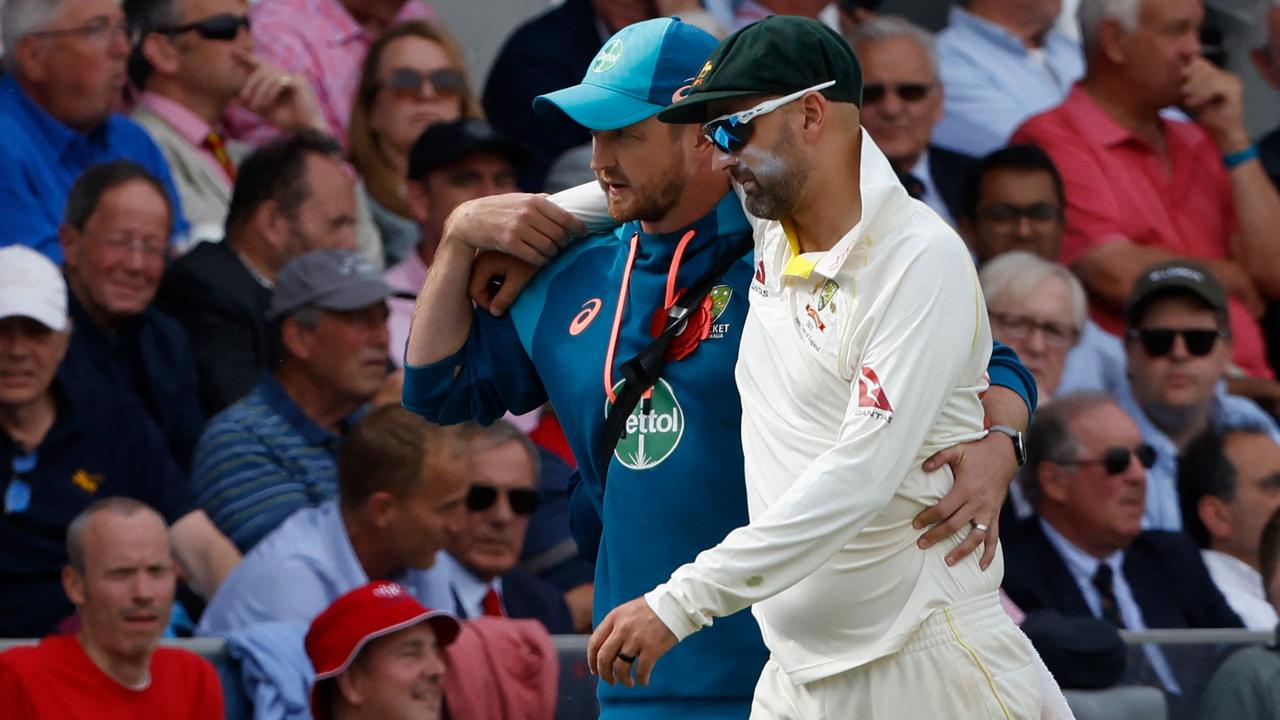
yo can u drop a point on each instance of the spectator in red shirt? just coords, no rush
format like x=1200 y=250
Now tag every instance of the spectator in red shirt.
x=121 y=578
x=1143 y=188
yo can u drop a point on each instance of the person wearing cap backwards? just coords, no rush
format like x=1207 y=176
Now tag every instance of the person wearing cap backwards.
x=1178 y=346
x=449 y=164
x=66 y=441
x=865 y=351
x=674 y=481
x=377 y=655
x=273 y=452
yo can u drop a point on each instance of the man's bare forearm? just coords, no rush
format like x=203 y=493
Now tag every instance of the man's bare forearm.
x=203 y=551
x=442 y=317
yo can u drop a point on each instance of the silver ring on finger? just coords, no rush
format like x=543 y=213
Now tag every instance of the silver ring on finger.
x=978 y=526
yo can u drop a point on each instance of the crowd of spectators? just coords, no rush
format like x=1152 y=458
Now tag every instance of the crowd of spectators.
x=216 y=217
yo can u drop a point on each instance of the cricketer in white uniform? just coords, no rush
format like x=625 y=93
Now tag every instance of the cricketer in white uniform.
x=856 y=364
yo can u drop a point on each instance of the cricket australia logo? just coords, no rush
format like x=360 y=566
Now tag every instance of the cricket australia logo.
x=720 y=297
x=608 y=57
x=653 y=430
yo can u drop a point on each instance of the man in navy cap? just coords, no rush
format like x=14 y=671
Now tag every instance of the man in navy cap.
x=667 y=482
x=273 y=452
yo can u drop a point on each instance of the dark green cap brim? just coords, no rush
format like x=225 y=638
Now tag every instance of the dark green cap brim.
x=693 y=109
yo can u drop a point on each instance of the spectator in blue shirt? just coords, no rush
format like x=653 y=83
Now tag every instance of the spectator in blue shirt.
x=1001 y=62
x=402 y=485
x=64 y=445
x=114 y=241
x=66 y=72
x=273 y=452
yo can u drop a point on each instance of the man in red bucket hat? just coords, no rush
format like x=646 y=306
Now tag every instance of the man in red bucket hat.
x=377 y=654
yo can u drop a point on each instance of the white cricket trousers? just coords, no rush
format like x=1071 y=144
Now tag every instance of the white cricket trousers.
x=966 y=662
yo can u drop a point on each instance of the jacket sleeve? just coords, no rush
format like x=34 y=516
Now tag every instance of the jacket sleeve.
x=1007 y=371
x=917 y=347
x=586 y=501
x=488 y=376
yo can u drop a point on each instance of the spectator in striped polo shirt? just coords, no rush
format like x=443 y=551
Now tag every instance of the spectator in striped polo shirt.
x=273 y=452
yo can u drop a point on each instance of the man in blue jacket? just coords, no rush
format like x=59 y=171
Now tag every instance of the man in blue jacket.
x=675 y=479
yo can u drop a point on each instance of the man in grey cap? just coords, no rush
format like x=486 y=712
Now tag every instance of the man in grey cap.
x=1177 y=349
x=272 y=452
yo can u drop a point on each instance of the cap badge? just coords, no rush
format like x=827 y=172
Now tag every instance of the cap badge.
x=702 y=74
x=608 y=57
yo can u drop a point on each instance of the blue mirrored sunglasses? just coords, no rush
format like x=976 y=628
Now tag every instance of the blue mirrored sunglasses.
x=17 y=496
x=730 y=133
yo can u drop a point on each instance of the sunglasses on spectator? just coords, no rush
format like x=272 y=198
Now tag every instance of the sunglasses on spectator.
x=1020 y=327
x=1008 y=213
x=730 y=133
x=907 y=92
x=17 y=496
x=1158 y=342
x=523 y=501
x=218 y=27
x=1115 y=460
x=407 y=82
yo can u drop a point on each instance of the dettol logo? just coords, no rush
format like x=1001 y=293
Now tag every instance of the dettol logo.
x=654 y=429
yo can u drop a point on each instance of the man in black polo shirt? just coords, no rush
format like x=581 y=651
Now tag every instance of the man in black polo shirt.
x=114 y=242
x=64 y=445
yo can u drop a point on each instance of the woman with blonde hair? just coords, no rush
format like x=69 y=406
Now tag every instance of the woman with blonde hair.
x=413 y=76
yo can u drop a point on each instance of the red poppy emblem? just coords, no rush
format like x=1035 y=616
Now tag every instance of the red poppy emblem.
x=696 y=329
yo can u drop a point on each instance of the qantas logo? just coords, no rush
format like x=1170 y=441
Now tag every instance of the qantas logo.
x=871 y=394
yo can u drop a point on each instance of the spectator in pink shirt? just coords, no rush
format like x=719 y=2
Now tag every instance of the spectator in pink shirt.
x=1143 y=188
x=450 y=164
x=194 y=59
x=324 y=41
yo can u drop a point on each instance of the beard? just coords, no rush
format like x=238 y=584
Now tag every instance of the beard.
x=778 y=180
x=650 y=204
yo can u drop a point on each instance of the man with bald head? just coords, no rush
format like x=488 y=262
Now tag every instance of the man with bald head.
x=65 y=77
x=121 y=577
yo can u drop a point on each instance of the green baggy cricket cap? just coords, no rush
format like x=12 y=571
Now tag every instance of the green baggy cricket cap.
x=779 y=55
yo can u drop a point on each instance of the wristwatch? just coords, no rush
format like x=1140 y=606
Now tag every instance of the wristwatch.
x=1019 y=445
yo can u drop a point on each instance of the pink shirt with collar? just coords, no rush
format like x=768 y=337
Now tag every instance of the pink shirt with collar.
x=321 y=41
x=1117 y=188
x=187 y=124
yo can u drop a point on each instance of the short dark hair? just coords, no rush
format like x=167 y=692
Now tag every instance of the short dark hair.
x=1269 y=552
x=277 y=172
x=1049 y=439
x=1205 y=470
x=1020 y=158
x=145 y=17
x=94 y=182
x=390 y=450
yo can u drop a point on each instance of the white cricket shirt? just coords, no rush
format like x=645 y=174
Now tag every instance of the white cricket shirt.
x=856 y=364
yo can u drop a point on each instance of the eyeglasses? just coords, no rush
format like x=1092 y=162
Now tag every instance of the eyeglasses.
x=907 y=92
x=1115 y=460
x=17 y=496
x=1008 y=213
x=523 y=501
x=730 y=133
x=128 y=243
x=1020 y=327
x=1158 y=342
x=407 y=83
x=99 y=30
x=224 y=26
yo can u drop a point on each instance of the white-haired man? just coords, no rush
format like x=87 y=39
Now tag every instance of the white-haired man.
x=65 y=63
x=1142 y=189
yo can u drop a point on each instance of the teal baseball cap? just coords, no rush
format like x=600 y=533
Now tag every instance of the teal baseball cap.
x=638 y=73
